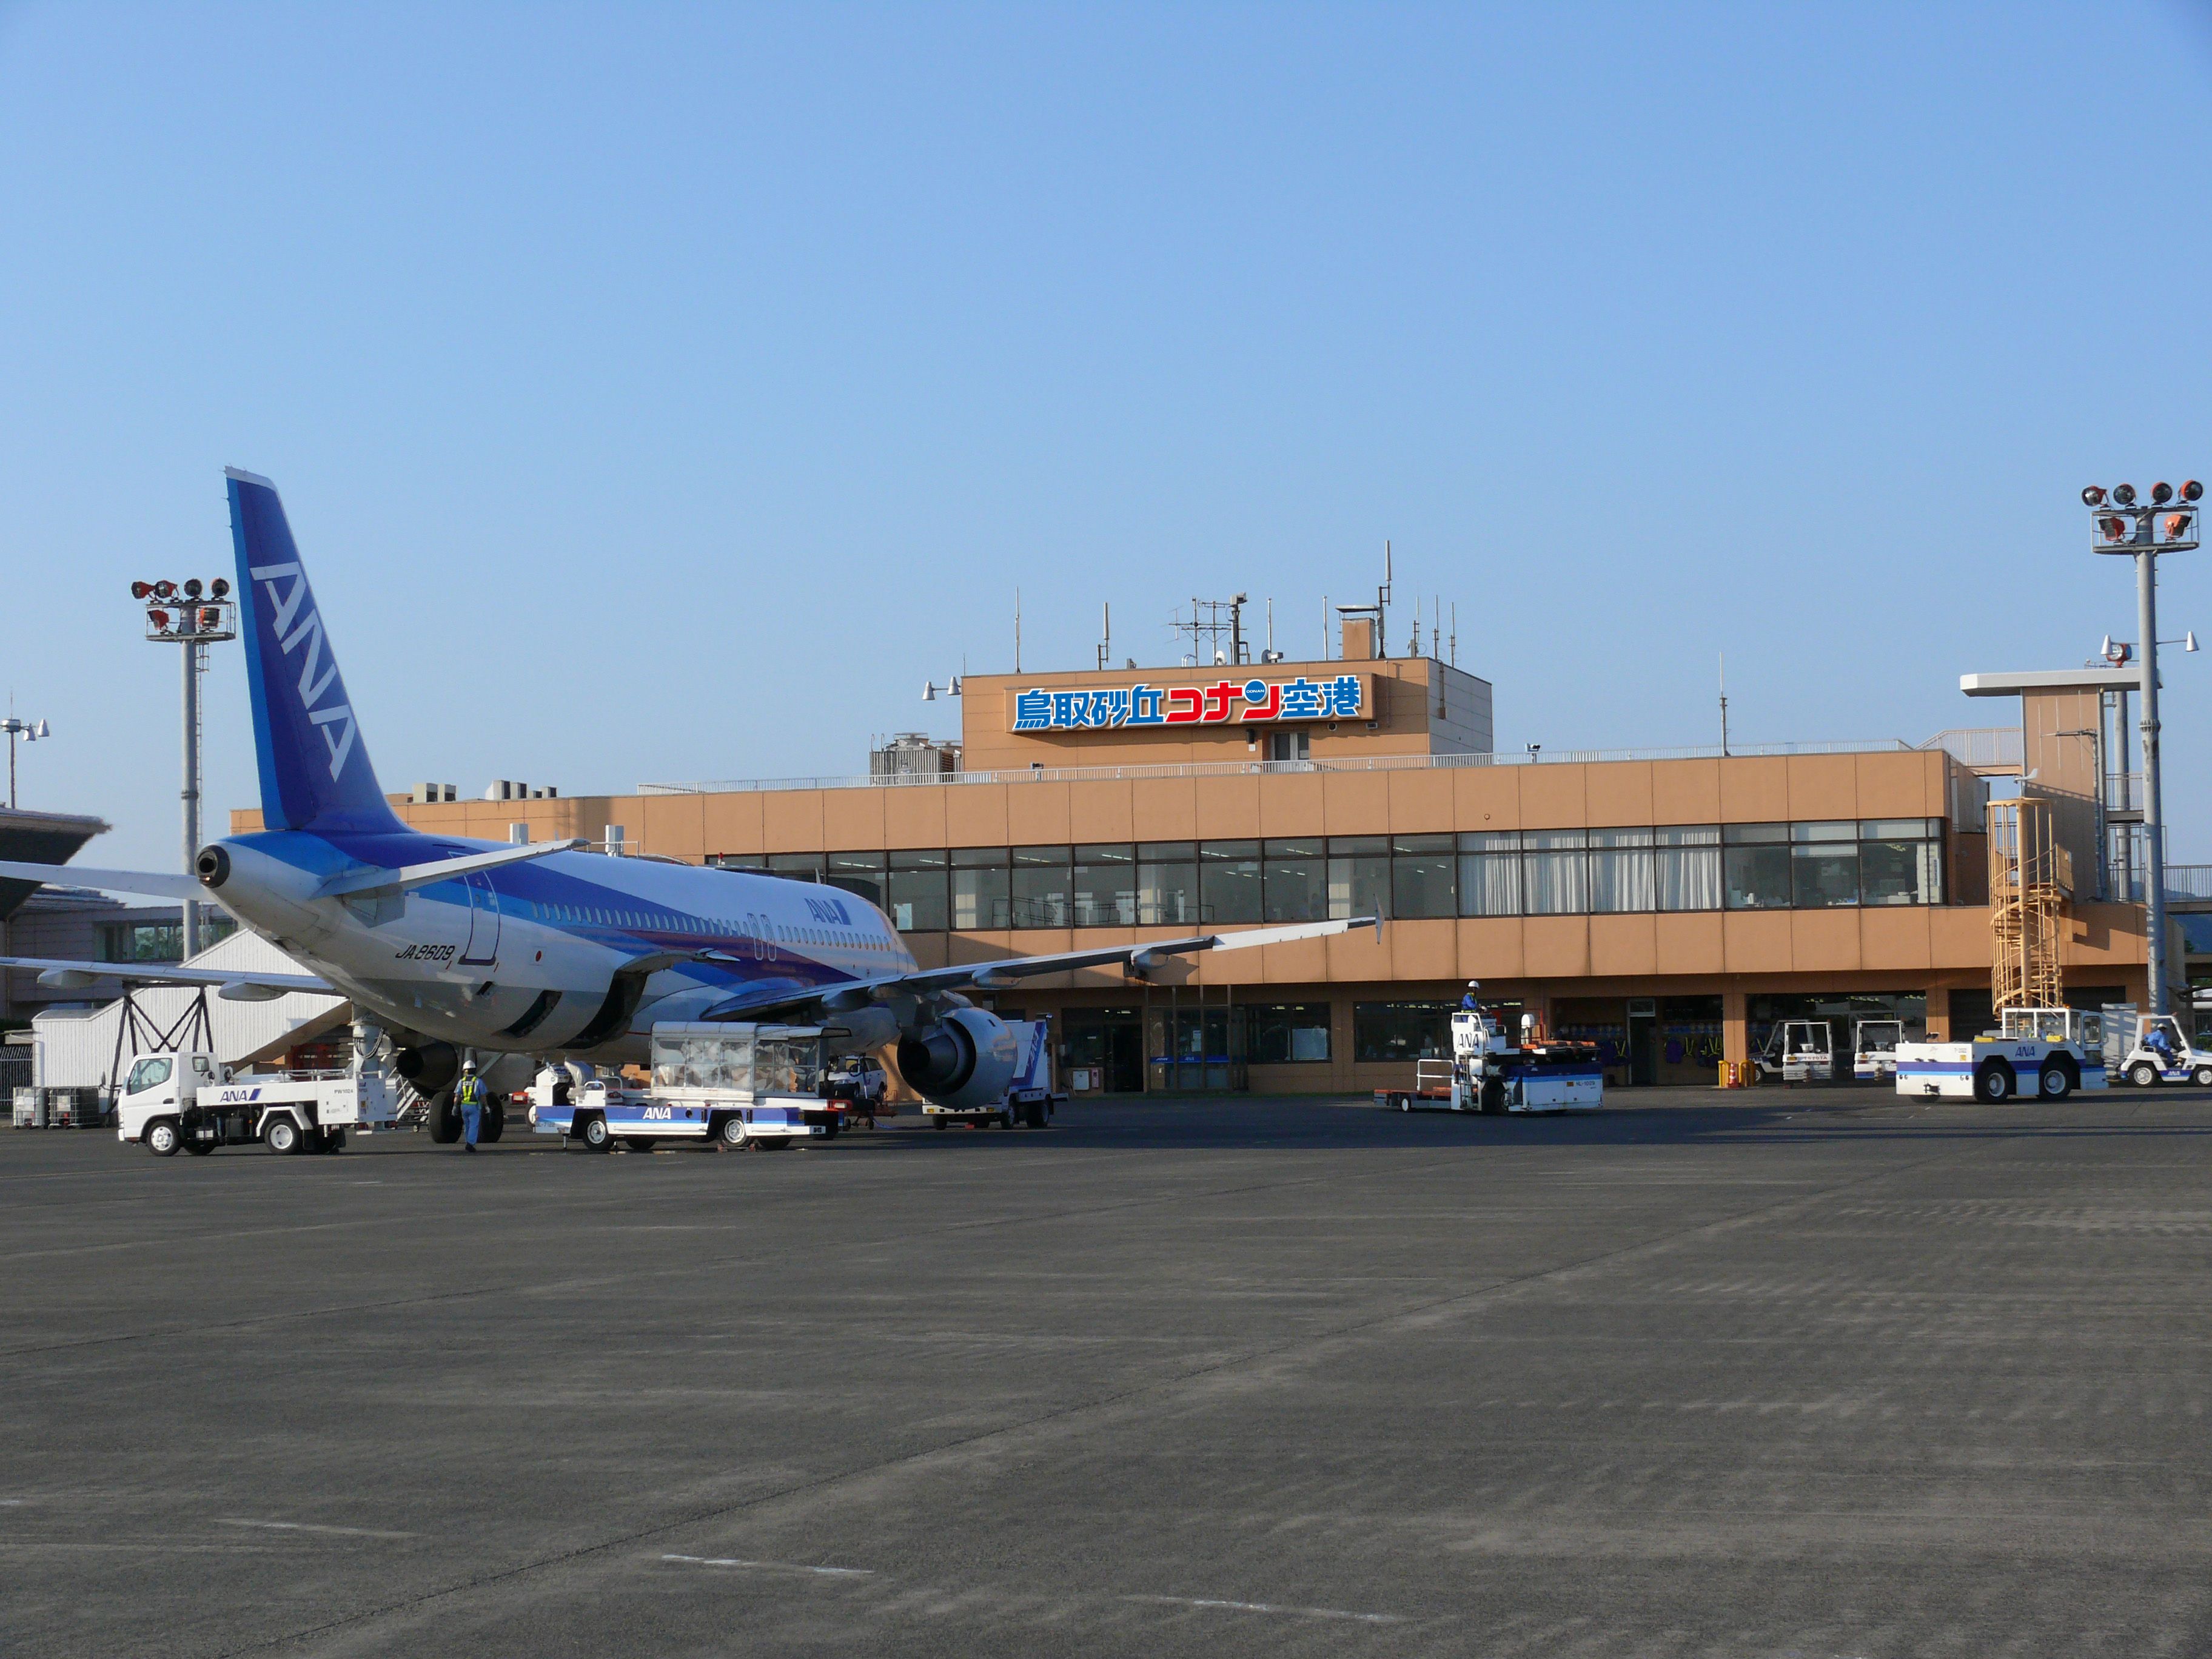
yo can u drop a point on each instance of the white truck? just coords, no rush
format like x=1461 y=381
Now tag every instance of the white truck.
x=1030 y=1099
x=189 y=1100
x=750 y=1087
x=2160 y=1052
x=1490 y=1071
x=1874 y=1050
x=2047 y=1052
x=1799 y=1051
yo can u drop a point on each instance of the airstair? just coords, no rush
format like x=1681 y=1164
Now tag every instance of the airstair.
x=2031 y=884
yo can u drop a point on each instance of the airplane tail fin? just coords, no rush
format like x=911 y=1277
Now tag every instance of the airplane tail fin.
x=315 y=772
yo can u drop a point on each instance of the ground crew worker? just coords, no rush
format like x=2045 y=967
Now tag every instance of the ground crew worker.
x=469 y=1096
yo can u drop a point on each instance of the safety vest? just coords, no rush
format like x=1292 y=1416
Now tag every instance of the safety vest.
x=470 y=1093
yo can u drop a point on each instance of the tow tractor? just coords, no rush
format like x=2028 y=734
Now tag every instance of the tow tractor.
x=747 y=1086
x=2161 y=1054
x=1030 y=1099
x=1800 y=1051
x=1873 y=1050
x=189 y=1100
x=858 y=1081
x=2049 y=1052
x=1489 y=1071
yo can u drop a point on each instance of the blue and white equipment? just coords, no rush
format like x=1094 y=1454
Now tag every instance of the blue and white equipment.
x=2046 y=1052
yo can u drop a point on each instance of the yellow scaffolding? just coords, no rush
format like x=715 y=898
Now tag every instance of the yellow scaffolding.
x=2031 y=883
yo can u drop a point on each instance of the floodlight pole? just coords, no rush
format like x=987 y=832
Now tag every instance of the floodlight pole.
x=2154 y=803
x=190 y=653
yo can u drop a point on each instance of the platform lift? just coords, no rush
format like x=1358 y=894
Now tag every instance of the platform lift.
x=1491 y=1070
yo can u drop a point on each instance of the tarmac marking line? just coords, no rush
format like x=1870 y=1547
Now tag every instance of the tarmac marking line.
x=308 y=1526
x=1269 y=1607
x=770 y=1566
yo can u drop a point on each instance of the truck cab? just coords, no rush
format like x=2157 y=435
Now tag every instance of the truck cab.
x=1874 y=1050
x=158 y=1093
x=1800 y=1051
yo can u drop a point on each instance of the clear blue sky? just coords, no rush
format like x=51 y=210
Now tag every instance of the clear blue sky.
x=665 y=393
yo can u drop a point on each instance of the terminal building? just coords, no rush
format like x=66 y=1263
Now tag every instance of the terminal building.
x=1670 y=906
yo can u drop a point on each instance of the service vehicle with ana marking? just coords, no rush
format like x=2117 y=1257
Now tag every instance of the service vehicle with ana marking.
x=751 y=1087
x=2046 y=1052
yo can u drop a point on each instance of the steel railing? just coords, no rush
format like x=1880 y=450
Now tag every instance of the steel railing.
x=1249 y=768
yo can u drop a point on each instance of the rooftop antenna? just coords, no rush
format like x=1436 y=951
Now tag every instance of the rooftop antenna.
x=1382 y=604
x=1106 y=644
x=1324 y=627
x=1724 y=748
x=1455 y=637
x=1271 y=627
x=1017 y=630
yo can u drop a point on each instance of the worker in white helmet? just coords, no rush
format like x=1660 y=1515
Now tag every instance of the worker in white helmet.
x=469 y=1096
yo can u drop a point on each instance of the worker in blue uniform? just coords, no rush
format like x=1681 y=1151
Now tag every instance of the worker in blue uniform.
x=469 y=1096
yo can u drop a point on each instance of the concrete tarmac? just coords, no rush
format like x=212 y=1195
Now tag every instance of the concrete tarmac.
x=1809 y=1373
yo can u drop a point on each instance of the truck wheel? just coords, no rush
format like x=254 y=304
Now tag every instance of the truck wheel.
x=2142 y=1075
x=595 y=1134
x=1405 y=1102
x=2054 y=1083
x=733 y=1131
x=940 y=1120
x=199 y=1148
x=334 y=1140
x=1494 y=1095
x=162 y=1139
x=283 y=1136
x=1993 y=1082
x=2202 y=1077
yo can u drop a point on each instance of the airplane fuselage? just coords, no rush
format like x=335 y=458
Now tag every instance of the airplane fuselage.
x=557 y=955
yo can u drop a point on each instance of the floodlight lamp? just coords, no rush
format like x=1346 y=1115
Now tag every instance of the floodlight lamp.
x=2124 y=495
x=2161 y=493
x=141 y=590
x=2192 y=491
x=192 y=588
x=165 y=590
x=2177 y=526
x=44 y=731
x=2115 y=528
x=218 y=587
x=2094 y=496
x=160 y=619
x=210 y=619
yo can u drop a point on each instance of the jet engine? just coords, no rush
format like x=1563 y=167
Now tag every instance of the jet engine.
x=430 y=1068
x=965 y=1060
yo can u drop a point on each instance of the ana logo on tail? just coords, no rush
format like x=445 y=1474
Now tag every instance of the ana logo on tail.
x=315 y=675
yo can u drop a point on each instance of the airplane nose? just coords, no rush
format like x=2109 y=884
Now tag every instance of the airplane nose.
x=213 y=866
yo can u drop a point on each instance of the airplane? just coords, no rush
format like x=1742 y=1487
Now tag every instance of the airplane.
x=449 y=946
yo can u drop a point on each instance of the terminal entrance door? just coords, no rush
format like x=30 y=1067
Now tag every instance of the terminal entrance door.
x=1643 y=1029
x=1110 y=1041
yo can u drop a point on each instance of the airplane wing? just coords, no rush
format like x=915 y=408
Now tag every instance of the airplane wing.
x=77 y=975
x=371 y=880
x=105 y=881
x=992 y=976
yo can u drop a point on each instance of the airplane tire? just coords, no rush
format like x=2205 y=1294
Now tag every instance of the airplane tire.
x=443 y=1119
x=493 y=1124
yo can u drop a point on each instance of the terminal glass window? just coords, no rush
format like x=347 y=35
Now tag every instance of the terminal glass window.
x=917 y=890
x=1555 y=876
x=1400 y=1030
x=1106 y=885
x=1489 y=874
x=1824 y=863
x=1297 y=878
x=1686 y=867
x=1422 y=876
x=1167 y=883
x=1901 y=861
x=1359 y=876
x=1756 y=865
x=859 y=873
x=1621 y=871
x=1228 y=880
x=981 y=896
x=796 y=866
x=1041 y=891
x=1283 y=1033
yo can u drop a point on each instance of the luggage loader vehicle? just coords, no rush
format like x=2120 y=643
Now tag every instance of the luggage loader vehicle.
x=756 y=1088
x=1490 y=1071
x=2046 y=1052
x=189 y=1100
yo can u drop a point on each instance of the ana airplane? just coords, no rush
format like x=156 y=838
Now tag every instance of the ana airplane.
x=450 y=945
